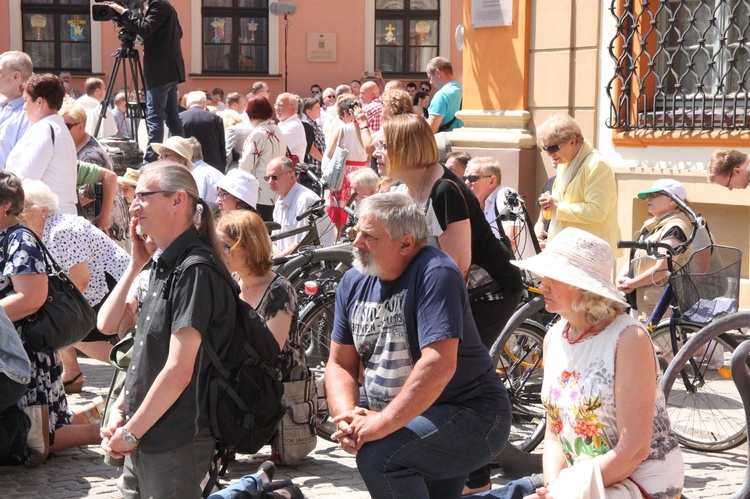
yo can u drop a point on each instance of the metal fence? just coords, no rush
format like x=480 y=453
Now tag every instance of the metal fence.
x=680 y=65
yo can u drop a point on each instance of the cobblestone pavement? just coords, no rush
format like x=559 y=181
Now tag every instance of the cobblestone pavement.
x=327 y=472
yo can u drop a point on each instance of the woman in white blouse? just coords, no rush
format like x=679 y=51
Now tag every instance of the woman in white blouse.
x=46 y=151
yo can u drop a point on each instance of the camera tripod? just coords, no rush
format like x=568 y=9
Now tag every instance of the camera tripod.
x=136 y=111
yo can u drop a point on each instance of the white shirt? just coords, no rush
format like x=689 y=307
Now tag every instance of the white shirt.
x=206 y=177
x=234 y=140
x=294 y=135
x=297 y=201
x=93 y=108
x=38 y=158
x=13 y=124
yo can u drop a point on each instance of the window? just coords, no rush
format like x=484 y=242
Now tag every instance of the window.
x=57 y=34
x=406 y=35
x=235 y=36
x=680 y=65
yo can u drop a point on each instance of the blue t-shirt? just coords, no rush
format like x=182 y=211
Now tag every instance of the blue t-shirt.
x=389 y=322
x=446 y=102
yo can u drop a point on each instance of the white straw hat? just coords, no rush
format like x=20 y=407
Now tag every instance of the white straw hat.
x=578 y=258
x=177 y=145
x=241 y=185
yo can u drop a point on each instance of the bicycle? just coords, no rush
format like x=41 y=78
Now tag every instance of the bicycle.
x=704 y=378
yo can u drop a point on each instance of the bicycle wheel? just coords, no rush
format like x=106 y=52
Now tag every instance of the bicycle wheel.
x=703 y=403
x=519 y=364
x=315 y=325
x=325 y=266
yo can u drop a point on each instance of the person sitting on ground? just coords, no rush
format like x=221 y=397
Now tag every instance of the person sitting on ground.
x=23 y=291
x=206 y=177
x=294 y=200
x=91 y=259
x=403 y=325
x=668 y=224
x=238 y=190
x=607 y=424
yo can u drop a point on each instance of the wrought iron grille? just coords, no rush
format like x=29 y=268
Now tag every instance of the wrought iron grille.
x=680 y=65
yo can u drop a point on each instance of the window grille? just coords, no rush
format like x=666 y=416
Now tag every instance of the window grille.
x=680 y=65
x=235 y=36
x=57 y=34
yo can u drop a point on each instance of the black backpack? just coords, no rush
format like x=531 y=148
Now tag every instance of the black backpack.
x=245 y=388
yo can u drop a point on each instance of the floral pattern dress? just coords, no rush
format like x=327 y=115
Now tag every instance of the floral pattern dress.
x=578 y=393
x=280 y=296
x=46 y=385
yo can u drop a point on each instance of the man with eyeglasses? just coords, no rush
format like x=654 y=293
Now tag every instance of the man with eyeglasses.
x=294 y=199
x=447 y=101
x=484 y=177
x=729 y=167
x=291 y=127
x=15 y=69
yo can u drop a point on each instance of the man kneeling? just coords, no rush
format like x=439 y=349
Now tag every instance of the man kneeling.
x=435 y=408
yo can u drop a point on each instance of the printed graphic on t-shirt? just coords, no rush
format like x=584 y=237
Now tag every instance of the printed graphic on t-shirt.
x=379 y=332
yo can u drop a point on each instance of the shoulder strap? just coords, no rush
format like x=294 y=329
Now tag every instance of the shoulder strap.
x=499 y=223
x=52 y=133
x=45 y=252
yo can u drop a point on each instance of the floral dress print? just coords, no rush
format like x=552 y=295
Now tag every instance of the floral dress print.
x=578 y=393
x=280 y=296
x=46 y=385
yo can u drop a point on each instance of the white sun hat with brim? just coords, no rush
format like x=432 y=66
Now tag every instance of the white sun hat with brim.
x=241 y=185
x=579 y=259
x=177 y=145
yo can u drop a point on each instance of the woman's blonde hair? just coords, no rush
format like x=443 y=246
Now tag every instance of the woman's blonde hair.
x=596 y=307
x=558 y=130
x=410 y=143
x=248 y=229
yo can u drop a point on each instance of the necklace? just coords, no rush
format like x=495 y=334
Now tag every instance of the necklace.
x=589 y=331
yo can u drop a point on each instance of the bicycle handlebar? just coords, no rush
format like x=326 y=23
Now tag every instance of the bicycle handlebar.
x=307 y=170
x=312 y=210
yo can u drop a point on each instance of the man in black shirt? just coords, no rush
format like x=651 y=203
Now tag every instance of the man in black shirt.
x=160 y=422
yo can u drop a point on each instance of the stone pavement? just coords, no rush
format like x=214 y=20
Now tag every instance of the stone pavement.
x=327 y=472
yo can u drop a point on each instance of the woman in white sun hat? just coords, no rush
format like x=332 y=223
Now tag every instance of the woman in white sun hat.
x=238 y=190
x=667 y=225
x=608 y=434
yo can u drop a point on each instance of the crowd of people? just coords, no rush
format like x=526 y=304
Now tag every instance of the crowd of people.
x=437 y=274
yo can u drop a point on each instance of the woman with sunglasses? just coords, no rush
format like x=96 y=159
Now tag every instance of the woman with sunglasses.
x=668 y=224
x=406 y=149
x=584 y=194
x=46 y=151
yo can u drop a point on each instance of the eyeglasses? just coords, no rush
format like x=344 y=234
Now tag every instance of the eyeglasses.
x=71 y=125
x=275 y=177
x=729 y=180
x=279 y=106
x=329 y=96
x=28 y=208
x=424 y=89
x=140 y=196
x=167 y=155
x=380 y=146
x=474 y=178
x=226 y=249
x=316 y=92
x=655 y=194
x=221 y=193
x=551 y=149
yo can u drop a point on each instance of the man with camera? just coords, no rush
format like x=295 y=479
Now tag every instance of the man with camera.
x=163 y=66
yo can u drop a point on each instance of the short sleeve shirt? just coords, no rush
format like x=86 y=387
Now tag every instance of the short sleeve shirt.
x=390 y=322
x=24 y=257
x=446 y=102
x=200 y=298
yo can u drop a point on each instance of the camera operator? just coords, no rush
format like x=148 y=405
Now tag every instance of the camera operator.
x=163 y=66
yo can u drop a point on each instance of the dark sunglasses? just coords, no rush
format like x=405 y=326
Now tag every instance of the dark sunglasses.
x=425 y=89
x=71 y=125
x=275 y=177
x=474 y=178
x=551 y=149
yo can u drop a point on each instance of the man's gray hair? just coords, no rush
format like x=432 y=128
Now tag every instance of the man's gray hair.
x=197 y=149
x=195 y=97
x=19 y=61
x=399 y=213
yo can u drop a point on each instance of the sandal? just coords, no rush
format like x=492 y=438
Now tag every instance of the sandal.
x=74 y=385
x=95 y=409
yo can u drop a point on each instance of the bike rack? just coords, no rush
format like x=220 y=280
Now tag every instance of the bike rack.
x=741 y=378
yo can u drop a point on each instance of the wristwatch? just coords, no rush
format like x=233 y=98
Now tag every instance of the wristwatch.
x=129 y=438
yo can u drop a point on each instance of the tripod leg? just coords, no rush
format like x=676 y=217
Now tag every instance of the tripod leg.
x=108 y=94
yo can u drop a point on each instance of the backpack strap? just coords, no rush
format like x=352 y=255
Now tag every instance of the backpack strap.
x=52 y=133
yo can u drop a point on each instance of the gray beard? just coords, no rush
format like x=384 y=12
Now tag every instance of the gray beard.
x=364 y=263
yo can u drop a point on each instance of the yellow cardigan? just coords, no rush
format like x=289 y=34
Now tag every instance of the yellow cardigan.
x=590 y=200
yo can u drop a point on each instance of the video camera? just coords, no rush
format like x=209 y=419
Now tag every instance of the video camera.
x=103 y=13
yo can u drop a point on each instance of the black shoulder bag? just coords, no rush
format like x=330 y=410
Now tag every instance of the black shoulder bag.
x=64 y=319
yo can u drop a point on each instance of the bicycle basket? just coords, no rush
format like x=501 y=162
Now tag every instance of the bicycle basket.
x=709 y=284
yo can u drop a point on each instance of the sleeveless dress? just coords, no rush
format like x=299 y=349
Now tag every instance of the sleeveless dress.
x=578 y=393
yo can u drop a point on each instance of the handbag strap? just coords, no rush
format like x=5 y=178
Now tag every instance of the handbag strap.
x=45 y=252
